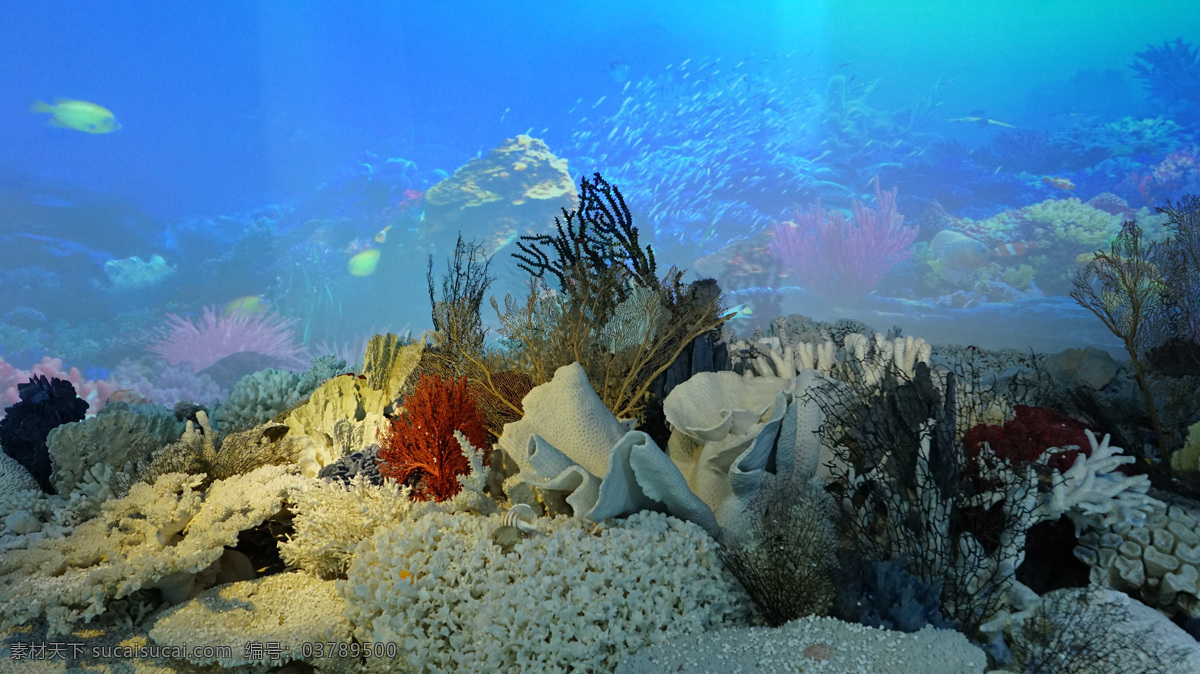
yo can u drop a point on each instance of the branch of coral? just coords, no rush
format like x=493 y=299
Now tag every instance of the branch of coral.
x=418 y=448
x=839 y=260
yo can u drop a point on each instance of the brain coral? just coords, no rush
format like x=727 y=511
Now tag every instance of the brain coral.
x=564 y=598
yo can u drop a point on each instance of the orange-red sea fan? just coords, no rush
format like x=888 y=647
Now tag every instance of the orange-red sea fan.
x=419 y=448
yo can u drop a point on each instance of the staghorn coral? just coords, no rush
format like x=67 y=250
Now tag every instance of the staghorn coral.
x=418 y=448
x=331 y=518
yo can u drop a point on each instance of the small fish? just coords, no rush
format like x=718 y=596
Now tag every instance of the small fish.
x=504 y=114
x=251 y=305
x=980 y=120
x=78 y=115
x=594 y=105
x=127 y=395
x=381 y=235
x=740 y=312
x=1059 y=183
x=1014 y=249
x=364 y=263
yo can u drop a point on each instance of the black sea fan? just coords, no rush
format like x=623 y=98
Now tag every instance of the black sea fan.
x=44 y=405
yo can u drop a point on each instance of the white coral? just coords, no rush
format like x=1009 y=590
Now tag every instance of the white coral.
x=566 y=599
x=161 y=535
x=291 y=610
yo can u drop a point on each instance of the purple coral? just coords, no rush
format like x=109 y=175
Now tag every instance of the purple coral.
x=842 y=261
x=217 y=336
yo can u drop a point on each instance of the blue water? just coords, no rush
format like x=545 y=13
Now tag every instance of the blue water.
x=285 y=113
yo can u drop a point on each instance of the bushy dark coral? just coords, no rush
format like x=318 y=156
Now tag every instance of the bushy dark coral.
x=1171 y=74
x=418 y=449
x=886 y=595
x=1030 y=432
x=45 y=404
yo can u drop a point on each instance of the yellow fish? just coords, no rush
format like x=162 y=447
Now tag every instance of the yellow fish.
x=252 y=305
x=78 y=115
x=381 y=235
x=364 y=263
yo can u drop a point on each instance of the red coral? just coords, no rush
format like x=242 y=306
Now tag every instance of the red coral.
x=419 y=448
x=1030 y=432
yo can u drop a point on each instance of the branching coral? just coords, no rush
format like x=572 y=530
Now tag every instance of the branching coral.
x=840 y=261
x=608 y=287
x=418 y=449
x=1124 y=287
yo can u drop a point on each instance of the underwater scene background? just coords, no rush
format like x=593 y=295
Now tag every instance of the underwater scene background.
x=258 y=247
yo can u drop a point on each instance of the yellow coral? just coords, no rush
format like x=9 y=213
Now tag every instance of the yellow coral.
x=1072 y=221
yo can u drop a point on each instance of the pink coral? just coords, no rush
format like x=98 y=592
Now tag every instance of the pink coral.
x=96 y=392
x=217 y=336
x=841 y=261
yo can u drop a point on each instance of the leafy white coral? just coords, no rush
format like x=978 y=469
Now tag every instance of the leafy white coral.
x=161 y=535
x=562 y=599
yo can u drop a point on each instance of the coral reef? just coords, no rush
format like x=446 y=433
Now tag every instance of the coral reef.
x=517 y=188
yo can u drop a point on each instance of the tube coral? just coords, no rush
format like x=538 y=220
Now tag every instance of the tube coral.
x=419 y=448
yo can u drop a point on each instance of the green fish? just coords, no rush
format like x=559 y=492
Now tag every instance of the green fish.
x=78 y=115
